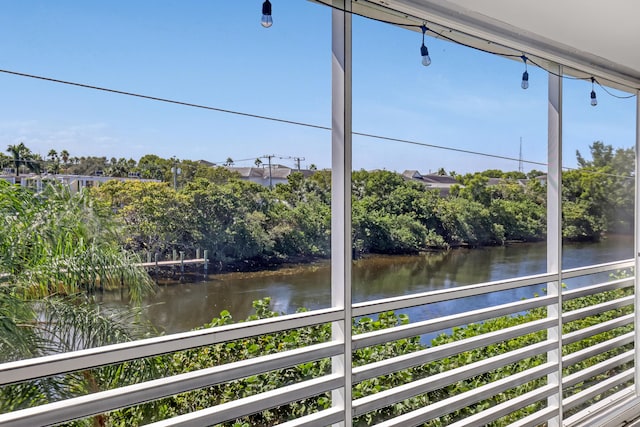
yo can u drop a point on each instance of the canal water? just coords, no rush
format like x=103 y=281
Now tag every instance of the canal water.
x=181 y=307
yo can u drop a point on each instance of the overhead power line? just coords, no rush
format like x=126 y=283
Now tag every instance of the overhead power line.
x=166 y=100
x=267 y=118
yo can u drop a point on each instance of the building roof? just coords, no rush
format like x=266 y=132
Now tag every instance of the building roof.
x=439 y=179
x=443 y=183
x=412 y=174
x=277 y=172
x=206 y=163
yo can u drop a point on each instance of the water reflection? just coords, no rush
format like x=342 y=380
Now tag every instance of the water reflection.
x=181 y=307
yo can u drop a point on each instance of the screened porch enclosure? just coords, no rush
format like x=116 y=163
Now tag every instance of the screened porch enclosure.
x=566 y=357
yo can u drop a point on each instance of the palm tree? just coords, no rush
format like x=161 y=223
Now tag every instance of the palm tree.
x=119 y=168
x=55 y=250
x=54 y=162
x=64 y=155
x=20 y=154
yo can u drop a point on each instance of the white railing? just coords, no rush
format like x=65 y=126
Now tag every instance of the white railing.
x=609 y=379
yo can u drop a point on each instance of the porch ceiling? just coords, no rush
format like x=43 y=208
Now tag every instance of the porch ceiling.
x=588 y=37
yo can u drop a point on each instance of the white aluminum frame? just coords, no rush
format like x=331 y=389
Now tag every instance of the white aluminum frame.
x=339 y=383
x=636 y=242
x=104 y=401
x=554 y=233
x=341 y=148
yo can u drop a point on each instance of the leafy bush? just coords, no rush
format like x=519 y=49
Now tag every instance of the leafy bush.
x=257 y=346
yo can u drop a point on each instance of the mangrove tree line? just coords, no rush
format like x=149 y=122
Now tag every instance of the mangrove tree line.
x=239 y=221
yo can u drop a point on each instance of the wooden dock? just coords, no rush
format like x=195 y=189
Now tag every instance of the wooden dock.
x=180 y=262
x=157 y=264
x=172 y=263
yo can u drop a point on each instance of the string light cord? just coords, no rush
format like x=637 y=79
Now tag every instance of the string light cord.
x=586 y=79
x=504 y=55
x=418 y=26
x=604 y=88
x=553 y=73
x=399 y=24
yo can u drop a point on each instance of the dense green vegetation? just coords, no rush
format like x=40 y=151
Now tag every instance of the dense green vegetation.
x=258 y=346
x=245 y=225
x=56 y=248
x=240 y=221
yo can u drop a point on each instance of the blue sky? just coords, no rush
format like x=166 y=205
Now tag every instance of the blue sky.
x=215 y=53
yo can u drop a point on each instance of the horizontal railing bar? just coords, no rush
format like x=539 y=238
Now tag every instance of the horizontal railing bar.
x=505 y=408
x=537 y=418
x=584 y=396
x=96 y=403
x=590 y=331
x=599 y=288
x=432 y=325
x=29 y=369
x=597 y=369
x=417 y=358
x=443 y=379
x=397 y=303
x=322 y=418
x=600 y=413
x=598 y=268
x=253 y=404
x=585 y=353
x=446 y=406
x=581 y=313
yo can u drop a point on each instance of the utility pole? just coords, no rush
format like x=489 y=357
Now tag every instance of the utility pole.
x=520 y=157
x=297 y=160
x=175 y=170
x=269 y=156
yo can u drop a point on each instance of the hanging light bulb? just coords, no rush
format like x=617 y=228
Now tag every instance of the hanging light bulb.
x=594 y=100
x=426 y=60
x=525 y=80
x=266 y=21
x=525 y=75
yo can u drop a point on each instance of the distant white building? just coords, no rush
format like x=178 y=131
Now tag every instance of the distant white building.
x=74 y=182
x=277 y=174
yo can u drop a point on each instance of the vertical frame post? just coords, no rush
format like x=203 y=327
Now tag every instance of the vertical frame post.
x=341 y=134
x=636 y=245
x=554 y=233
